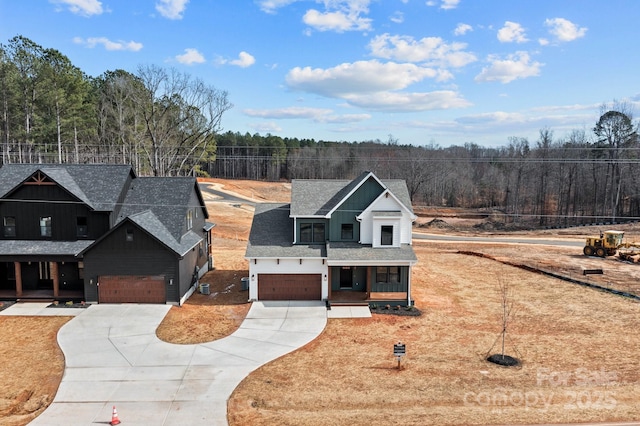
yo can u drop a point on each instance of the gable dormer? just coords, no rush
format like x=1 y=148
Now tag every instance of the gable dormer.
x=386 y=222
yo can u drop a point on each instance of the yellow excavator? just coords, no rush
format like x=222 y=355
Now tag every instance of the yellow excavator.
x=609 y=243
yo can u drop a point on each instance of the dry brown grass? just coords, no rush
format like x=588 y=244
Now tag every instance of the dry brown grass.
x=203 y=318
x=348 y=375
x=32 y=366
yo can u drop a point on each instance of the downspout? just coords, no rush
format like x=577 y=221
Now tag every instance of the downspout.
x=295 y=227
x=409 y=285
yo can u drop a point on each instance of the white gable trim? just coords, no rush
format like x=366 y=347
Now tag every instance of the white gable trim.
x=386 y=210
x=387 y=193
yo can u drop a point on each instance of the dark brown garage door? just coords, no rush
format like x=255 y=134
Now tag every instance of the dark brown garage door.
x=289 y=287
x=131 y=289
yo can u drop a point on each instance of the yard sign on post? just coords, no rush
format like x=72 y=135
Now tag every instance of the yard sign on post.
x=399 y=350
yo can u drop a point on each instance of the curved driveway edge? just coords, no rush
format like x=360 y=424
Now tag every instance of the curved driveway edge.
x=113 y=358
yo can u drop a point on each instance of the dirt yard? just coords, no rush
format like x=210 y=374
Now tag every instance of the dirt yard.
x=578 y=346
x=32 y=366
x=579 y=359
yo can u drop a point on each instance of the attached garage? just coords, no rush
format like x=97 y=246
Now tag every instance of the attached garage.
x=289 y=287
x=131 y=289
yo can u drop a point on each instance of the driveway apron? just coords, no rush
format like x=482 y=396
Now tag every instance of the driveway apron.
x=114 y=359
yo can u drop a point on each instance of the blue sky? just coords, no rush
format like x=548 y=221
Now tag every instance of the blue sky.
x=443 y=72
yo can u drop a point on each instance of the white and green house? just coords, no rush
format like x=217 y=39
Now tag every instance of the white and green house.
x=338 y=240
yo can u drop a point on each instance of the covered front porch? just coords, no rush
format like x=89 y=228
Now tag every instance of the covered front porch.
x=369 y=285
x=41 y=280
x=42 y=270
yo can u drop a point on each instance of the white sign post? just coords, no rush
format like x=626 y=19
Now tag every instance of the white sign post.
x=399 y=350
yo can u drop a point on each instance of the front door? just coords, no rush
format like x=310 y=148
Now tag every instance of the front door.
x=346 y=278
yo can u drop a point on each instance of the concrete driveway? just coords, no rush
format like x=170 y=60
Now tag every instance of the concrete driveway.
x=113 y=358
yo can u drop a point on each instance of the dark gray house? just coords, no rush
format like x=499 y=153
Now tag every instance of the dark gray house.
x=338 y=240
x=101 y=234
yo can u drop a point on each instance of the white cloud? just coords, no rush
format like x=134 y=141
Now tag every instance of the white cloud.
x=543 y=41
x=462 y=29
x=244 y=60
x=449 y=4
x=564 y=30
x=290 y=112
x=374 y=85
x=512 y=32
x=409 y=102
x=270 y=6
x=318 y=115
x=92 y=42
x=171 y=9
x=514 y=67
x=344 y=118
x=336 y=21
x=191 y=56
x=82 y=7
x=432 y=51
x=445 y=4
x=266 y=127
x=358 y=77
x=397 y=17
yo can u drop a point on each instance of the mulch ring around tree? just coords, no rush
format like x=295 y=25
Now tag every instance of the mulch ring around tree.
x=504 y=360
x=406 y=311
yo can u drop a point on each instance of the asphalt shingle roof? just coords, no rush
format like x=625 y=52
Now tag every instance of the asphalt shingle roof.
x=349 y=252
x=36 y=248
x=157 y=204
x=271 y=235
x=98 y=185
x=317 y=197
x=166 y=197
x=150 y=223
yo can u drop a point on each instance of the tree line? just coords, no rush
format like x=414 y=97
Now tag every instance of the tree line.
x=164 y=123
x=584 y=177
x=159 y=120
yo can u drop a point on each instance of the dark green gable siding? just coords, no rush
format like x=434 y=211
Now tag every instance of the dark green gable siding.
x=353 y=206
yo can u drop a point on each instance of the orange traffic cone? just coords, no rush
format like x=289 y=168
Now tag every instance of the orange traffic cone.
x=114 y=417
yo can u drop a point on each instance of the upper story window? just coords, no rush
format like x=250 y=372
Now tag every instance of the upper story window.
x=346 y=231
x=129 y=234
x=189 y=219
x=45 y=226
x=82 y=230
x=386 y=235
x=312 y=233
x=9 y=226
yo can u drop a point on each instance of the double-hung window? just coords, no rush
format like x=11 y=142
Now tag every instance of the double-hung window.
x=386 y=235
x=9 y=226
x=312 y=232
x=45 y=226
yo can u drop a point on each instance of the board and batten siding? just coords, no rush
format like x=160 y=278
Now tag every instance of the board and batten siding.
x=59 y=205
x=143 y=256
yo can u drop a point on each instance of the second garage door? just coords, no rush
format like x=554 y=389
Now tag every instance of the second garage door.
x=131 y=289
x=289 y=287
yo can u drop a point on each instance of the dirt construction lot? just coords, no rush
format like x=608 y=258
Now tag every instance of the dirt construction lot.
x=578 y=346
